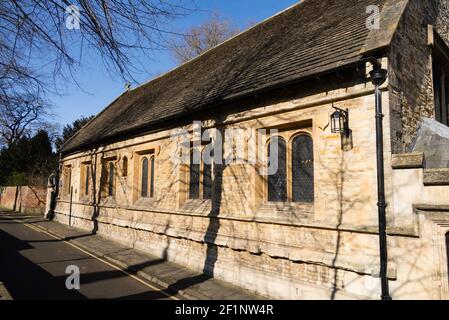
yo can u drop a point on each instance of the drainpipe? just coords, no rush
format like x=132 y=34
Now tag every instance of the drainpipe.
x=378 y=77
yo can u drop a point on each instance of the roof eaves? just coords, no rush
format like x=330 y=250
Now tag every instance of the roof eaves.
x=64 y=145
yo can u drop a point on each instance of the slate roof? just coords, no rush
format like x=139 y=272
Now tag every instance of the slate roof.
x=311 y=37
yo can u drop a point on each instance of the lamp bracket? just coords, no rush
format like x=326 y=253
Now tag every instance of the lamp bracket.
x=345 y=111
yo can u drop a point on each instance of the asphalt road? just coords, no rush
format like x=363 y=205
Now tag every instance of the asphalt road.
x=33 y=266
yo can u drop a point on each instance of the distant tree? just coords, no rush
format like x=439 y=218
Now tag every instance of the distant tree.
x=202 y=38
x=42 y=159
x=70 y=129
x=21 y=115
x=29 y=161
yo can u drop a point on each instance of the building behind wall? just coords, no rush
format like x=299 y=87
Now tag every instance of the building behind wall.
x=309 y=231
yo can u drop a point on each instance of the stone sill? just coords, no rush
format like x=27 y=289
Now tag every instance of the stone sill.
x=408 y=160
x=431 y=207
x=65 y=197
x=86 y=201
x=288 y=212
x=436 y=177
x=198 y=206
x=107 y=202
x=289 y=207
x=143 y=203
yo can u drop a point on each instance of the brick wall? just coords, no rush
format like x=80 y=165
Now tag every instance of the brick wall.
x=26 y=199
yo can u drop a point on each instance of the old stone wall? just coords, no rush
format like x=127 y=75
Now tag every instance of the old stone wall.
x=327 y=249
x=421 y=201
x=322 y=250
x=410 y=70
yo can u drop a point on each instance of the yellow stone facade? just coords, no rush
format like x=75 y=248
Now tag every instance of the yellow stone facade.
x=328 y=249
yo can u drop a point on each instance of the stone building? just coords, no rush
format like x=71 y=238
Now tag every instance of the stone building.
x=309 y=231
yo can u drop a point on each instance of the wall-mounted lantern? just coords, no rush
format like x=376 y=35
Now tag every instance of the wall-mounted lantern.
x=340 y=124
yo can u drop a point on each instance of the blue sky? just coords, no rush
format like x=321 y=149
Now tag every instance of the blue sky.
x=99 y=88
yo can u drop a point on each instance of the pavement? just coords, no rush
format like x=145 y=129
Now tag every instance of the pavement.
x=35 y=253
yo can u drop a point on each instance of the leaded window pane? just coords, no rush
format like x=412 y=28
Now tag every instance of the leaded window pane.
x=152 y=177
x=194 y=176
x=277 y=182
x=125 y=167
x=207 y=180
x=86 y=183
x=144 y=185
x=302 y=169
x=69 y=180
x=111 y=180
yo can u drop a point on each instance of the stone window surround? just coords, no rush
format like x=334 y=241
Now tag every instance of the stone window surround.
x=104 y=180
x=441 y=113
x=184 y=179
x=440 y=55
x=136 y=184
x=200 y=198
x=288 y=135
x=151 y=175
x=66 y=180
x=86 y=165
x=124 y=166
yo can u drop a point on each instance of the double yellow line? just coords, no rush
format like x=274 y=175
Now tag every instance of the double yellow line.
x=42 y=230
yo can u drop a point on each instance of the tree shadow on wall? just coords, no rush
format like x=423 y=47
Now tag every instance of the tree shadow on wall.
x=339 y=177
x=344 y=205
x=97 y=194
x=213 y=227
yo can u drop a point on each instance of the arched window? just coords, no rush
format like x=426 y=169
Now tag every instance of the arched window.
x=207 y=174
x=125 y=166
x=194 y=175
x=86 y=183
x=144 y=182
x=111 y=180
x=302 y=169
x=68 y=179
x=152 y=177
x=277 y=182
x=147 y=177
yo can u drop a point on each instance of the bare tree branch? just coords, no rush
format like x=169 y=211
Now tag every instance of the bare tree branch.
x=20 y=116
x=116 y=30
x=37 y=50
